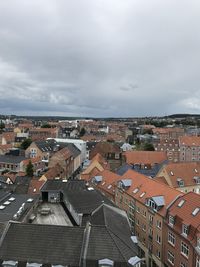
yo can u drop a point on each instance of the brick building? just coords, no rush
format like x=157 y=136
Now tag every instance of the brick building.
x=182 y=232
x=146 y=202
x=189 y=148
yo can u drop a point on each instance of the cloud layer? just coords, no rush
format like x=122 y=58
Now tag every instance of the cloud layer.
x=99 y=58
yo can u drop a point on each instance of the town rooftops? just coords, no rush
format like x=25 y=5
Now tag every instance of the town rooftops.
x=144 y=188
x=10 y=206
x=145 y=157
x=190 y=140
x=65 y=245
x=188 y=172
x=84 y=199
x=11 y=159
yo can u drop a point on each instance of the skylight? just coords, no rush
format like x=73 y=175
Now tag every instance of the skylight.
x=194 y=213
x=7 y=203
x=29 y=200
x=142 y=194
x=135 y=190
x=2 y=207
x=196 y=170
x=171 y=173
x=180 y=204
x=11 y=199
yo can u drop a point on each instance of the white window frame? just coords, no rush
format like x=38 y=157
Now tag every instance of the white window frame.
x=171 y=238
x=185 y=249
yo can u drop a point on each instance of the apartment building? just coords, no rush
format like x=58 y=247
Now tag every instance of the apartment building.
x=184 y=176
x=170 y=146
x=189 y=148
x=168 y=132
x=146 y=202
x=182 y=232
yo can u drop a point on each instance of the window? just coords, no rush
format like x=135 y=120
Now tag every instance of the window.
x=138 y=209
x=158 y=224
x=152 y=204
x=184 y=249
x=170 y=257
x=198 y=243
x=185 y=229
x=158 y=239
x=171 y=220
x=144 y=213
x=198 y=262
x=144 y=227
x=150 y=219
x=171 y=238
x=158 y=254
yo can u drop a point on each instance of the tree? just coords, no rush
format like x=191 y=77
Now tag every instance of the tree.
x=26 y=143
x=46 y=125
x=82 y=132
x=148 y=147
x=29 y=169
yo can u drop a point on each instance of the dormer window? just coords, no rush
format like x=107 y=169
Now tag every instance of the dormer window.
x=151 y=204
x=180 y=182
x=156 y=202
x=125 y=183
x=105 y=263
x=198 y=243
x=185 y=229
x=197 y=179
x=171 y=220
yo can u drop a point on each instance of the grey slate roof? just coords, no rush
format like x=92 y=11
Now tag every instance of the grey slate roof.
x=11 y=159
x=76 y=192
x=46 y=145
x=42 y=244
x=8 y=212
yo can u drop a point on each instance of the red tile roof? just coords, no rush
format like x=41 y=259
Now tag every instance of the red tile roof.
x=189 y=140
x=35 y=186
x=151 y=188
x=184 y=214
x=144 y=157
x=186 y=171
x=108 y=183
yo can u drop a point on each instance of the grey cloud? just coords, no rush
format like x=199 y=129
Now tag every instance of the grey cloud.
x=99 y=58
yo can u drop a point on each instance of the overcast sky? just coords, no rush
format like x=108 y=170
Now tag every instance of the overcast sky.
x=99 y=57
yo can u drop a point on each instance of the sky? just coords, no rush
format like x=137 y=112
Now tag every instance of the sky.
x=99 y=58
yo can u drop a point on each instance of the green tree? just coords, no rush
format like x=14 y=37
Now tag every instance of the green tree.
x=26 y=143
x=82 y=132
x=148 y=147
x=46 y=125
x=29 y=169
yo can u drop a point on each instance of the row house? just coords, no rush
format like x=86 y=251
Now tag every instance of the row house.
x=43 y=133
x=145 y=162
x=42 y=149
x=184 y=176
x=182 y=232
x=11 y=163
x=8 y=138
x=5 y=149
x=94 y=166
x=168 y=133
x=189 y=148
x=170 y=146
x=146 y=202
x=65 y=159
x=110 y=151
